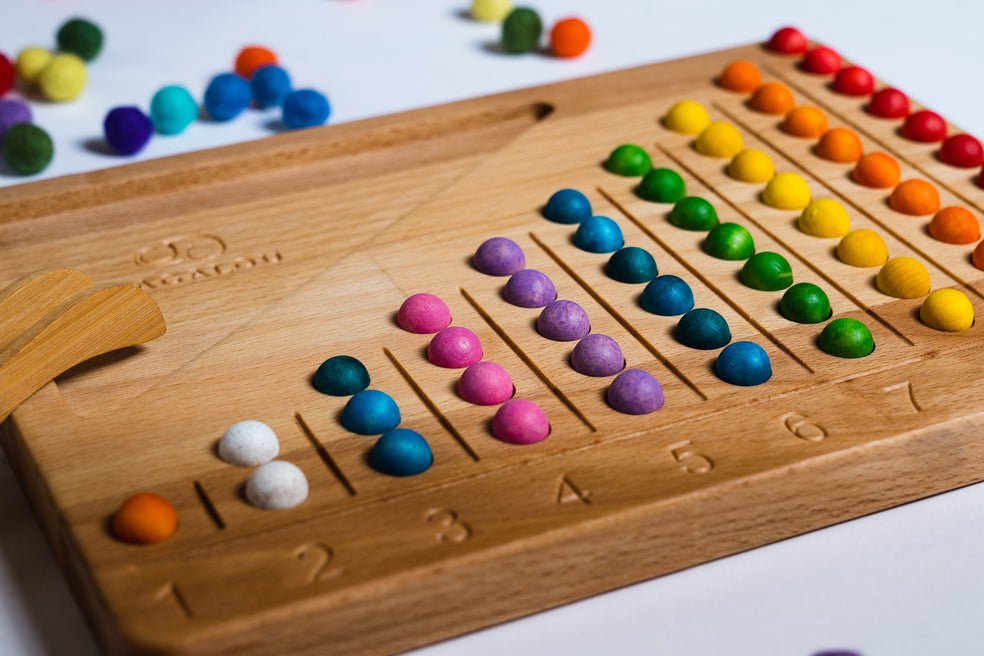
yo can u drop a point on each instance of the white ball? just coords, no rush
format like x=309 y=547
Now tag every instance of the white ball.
x=277 y=485
x=249 y=443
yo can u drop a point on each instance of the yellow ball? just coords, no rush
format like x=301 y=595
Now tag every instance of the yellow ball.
x=824 y=218
x=687 y=117
x=63 y=78
x=752 y=165
x=862 y=248
x=787 y=191
x=947 y=309
x=490 y=10
x=30 y=62
x=903 y=277
x=719 y=140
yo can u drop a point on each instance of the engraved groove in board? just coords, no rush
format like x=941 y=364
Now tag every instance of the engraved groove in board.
x=323 y=454
x=210 y=509
x=171 y=591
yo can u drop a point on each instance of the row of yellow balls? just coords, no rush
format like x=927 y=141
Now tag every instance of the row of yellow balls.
x=60 y=77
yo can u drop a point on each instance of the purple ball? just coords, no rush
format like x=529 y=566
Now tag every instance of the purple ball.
x=529 y=289
x=635 y=392
x=563 y=321
x=597 y=355
x=127 y=130
x=499 y=256
x=13 y=112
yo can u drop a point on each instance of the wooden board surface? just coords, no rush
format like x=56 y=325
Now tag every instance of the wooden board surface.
x=269 y=257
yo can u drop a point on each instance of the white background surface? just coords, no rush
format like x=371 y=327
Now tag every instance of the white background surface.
x=906 y=581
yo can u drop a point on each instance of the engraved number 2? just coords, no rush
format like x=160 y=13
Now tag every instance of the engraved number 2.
x=693 y=462
x=450 y=527
x=319 y=557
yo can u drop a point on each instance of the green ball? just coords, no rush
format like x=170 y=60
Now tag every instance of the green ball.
x=629 y=160
x=767 y=272
x=631 y=265
x=341 y=375
x=805 y=302
x=662 y=186
x=846 y=338
x=27 y=149
x=693 y=213
x=80 y=37
x=521 y=30
x=729 y=241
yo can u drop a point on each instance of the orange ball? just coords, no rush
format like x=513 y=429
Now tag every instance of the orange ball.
x=805 y=121
x=877 y=170
x=978 y=256
x=955 y=225
x=570 y=37
x=740 y=75
x=915 y=197
x=145 y=518
x=772 y=98
x=839 y=145
x=251 y=58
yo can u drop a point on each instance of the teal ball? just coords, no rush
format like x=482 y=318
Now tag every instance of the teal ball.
x=371 y=412
x=401 y=452
x=667 y=296
x=743 y=363
x=172 y=109
x=702 y=328
x=598 y=234
x=341 y=375
x=631 y=265
x=567 y=206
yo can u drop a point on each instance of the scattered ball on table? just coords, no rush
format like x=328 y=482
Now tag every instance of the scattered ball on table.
x=687 y=117
x=27 y=149
x=520 y=422
x=80 y=37
x=821 y=61
x=598 y=234
x=597 y=355
x=226 y=96
x=693 y=213
x=743 y=363
x=824 y=218
x=570 y=37
x=729 y=241
x=862 y=248
x=529 y=288
x=846 y=338
x=772 y=98
x=249 y=443
x=13 y=112
x=145 y=518
x=877 y=170
x=6 y=74
x=915 y=197
x=702 y=328
x=563 y=321
x=401 y=452
x=631 y=265
x=962 y=150
x=903 y=277
x=341 y=375
x=485 y=383
x=719 y=139
x=271 y=86
x=454 y=348
x=788 y=41
x=490 y=11
x=854 y=81
x=924 y=126
x=629 y=160
x=767 y=272
x=127 y=130
x=888 y=103
x=805 y=302
x=252 y=58
x=172 y=110
x=423 y=314
x=662 y=186
x=955 y=225
x=30 y=62
x=64 y=77
x=499 y=256
x=371 y=412
x=305 y=108
x=787 y=191
x=567 y=206
x=521 y=31
x=635 y=392
x=839 y=145
x=741 y=76
x=805 y=121
x=667 y=296
x=752 y=165
x=277 y=485
x=948 y=310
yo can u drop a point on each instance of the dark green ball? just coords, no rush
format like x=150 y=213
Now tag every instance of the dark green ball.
x=846 y=338
x=729 y=241
x=629 y=160
x=632 y=265
x=702 y=328
x=80 y=37
x=27 y=149
x=694 y=213
x=767 y=272
x=341 y=375
x=662 y=186
x=805 y=302
x=521 y=30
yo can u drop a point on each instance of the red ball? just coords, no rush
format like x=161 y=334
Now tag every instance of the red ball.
x=889 y=103
x=788 y=41
x=6 y=74
x=822 y=61
x=924 y=126
x=962 y=150
x=854 y=81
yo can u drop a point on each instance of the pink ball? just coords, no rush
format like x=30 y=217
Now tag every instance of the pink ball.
x=423 y=313
x=485 y=383
x=454 y=348
x=520 y=422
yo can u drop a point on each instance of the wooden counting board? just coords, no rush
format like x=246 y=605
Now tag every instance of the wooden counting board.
x=267 y=258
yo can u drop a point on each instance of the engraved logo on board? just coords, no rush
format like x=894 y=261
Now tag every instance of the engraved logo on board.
x=192 y=258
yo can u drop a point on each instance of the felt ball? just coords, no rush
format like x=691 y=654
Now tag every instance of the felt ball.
x=499 y=256
x=629 y=160
x=862 y=248
x=598 y=234
x=485 y=383
x=955 y=225
x=821 y=61
x=805 y=121
x=271 y=86
x=563 y=321
x=341 y=375
x=252 y=58
x=63 y=78
x=570 y=37
x=667 y=296
x=423 y=314
x=839 y=145
x=846 y=338
x=978 y=256
x=568 y=206
x=80 y=37
x=687 y=117
x=743 y=363
x=962 y=150
x=805 y=302
x=635 y=392
x=172 y=110
x=521 y=31
x=662 y=186
x=924 y=126
x=371 y=412
x=741 y=76
x=788 y=41
x=249 y=443
x=529 y=288
x=597 y=355
x=787 y=191
x=145 y=518
x=767 y=272
x=27 y=149
x=454 y=348
x=702 y=328
x=729 y=241
x=903 y=277
x=719 y=139
x=401 y=452
x=6 y=74
x=824 y=218
x=631 y=265
x=772 y=98
x=853 y=81
x=13 y=112
x=305 y=108
x=948 y=310
x=226 y=96
x=520 y=422
x=888 y=103
x=877 y=170
x=915 y=197
x=490 y=11
x=752 y=165
x=694 y=213
x=30 y=62
x=277 y=485
x=127 y=130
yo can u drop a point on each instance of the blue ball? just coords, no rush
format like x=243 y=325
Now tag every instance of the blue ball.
x=305 y=108
x=172 y=109
x=127 y=130
x=227 y=96
x=567 y=206
x=702 y=328
x=743 y=363
x=371 y=412
x=598 y=234
x=667 y=296
x=401 y=452
x=271 y=85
